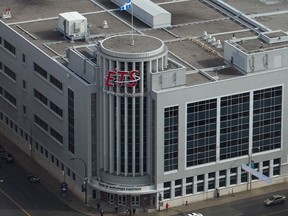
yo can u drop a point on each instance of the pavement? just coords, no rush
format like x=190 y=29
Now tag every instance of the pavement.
x=91 y=210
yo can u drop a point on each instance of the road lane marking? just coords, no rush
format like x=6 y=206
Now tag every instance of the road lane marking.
x=276 y=212
x=15 y=202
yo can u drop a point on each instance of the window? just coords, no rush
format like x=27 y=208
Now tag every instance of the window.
x=10 y=47
x=71 y=140
x=234 y=122
x=40 y=70
x=267 y=119
x=233 y=176
x=222 y=178
x=256 y=167
x=200 y=183
x=56 y=82
x=23 y=58
x=73 y=176
x=41 y=123
x=276 y=167
x=167 y=190
x=10 y=73
x=211 y=180
x=10 y=98
x=201 y=132
x=135 y=200
x=56 y=135
x=178 y=188
x=244 y=176
x=189 y=185
x=24 y=84
x=171 y=138
x=24 y=109
x=40 y=97
x=56 y=109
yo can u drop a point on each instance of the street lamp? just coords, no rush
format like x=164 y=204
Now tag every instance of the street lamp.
x=84 y=189
x=159 y=199
x=251 y=165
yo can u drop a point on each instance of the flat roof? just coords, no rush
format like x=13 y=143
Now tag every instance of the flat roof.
x=123 y=44
x=190 y=19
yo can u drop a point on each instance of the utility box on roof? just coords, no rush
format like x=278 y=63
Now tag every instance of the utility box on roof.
x=73 y=25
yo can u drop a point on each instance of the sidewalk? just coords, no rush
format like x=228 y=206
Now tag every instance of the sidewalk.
x=78 y=205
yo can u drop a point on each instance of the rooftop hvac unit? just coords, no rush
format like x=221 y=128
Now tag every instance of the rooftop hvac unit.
x=73 y=25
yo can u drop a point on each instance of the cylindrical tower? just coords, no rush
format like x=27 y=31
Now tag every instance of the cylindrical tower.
x=125 y=134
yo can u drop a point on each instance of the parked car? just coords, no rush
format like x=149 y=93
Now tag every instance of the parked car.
x=275 y=199
x=195 y=214
x=2 y=149
x=33 y=179
x=7 y=157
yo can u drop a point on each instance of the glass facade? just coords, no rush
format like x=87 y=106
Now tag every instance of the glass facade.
x=257 y=113
x=171 y=138
x=234 y=123
x=201 y=132
x=267 y=117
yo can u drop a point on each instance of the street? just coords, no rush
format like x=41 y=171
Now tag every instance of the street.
x=18 y=196
x=247 y=207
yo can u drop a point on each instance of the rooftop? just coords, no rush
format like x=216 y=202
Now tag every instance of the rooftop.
x=184 y=39
x=132 y=44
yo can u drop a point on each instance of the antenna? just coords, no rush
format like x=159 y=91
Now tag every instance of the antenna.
x=132 y=41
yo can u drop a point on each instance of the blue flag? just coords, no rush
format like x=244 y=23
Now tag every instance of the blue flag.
x=126 y=6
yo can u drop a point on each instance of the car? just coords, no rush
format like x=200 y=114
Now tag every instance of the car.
x=195 y=214
x=2 y=149
x=33 y=179
x=275 y=199
x=7 y=157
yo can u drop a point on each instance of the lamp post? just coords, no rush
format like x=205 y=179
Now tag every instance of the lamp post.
x=250 y=174
x=159 y=199
x=251 y=165
x=84 y=189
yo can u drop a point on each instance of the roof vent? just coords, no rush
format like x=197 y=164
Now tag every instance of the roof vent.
x=105 y=25
x=7 y=14
x=205 y=35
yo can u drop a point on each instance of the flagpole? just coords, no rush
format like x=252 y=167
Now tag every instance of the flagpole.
x=132 y=42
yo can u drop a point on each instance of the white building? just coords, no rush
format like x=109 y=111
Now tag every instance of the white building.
x=151 y=122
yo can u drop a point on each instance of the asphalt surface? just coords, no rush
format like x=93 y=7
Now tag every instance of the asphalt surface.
x=244 y=203
x=19 y=196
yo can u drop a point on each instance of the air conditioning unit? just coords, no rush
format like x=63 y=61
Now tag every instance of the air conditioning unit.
x=73 y=25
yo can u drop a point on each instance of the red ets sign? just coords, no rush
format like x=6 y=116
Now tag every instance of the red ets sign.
x=122 y=78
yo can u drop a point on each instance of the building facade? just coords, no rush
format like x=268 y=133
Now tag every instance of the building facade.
x=137 y=127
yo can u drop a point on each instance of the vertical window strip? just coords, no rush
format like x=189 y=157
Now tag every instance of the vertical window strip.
x=171 y=138
x=71 y=138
